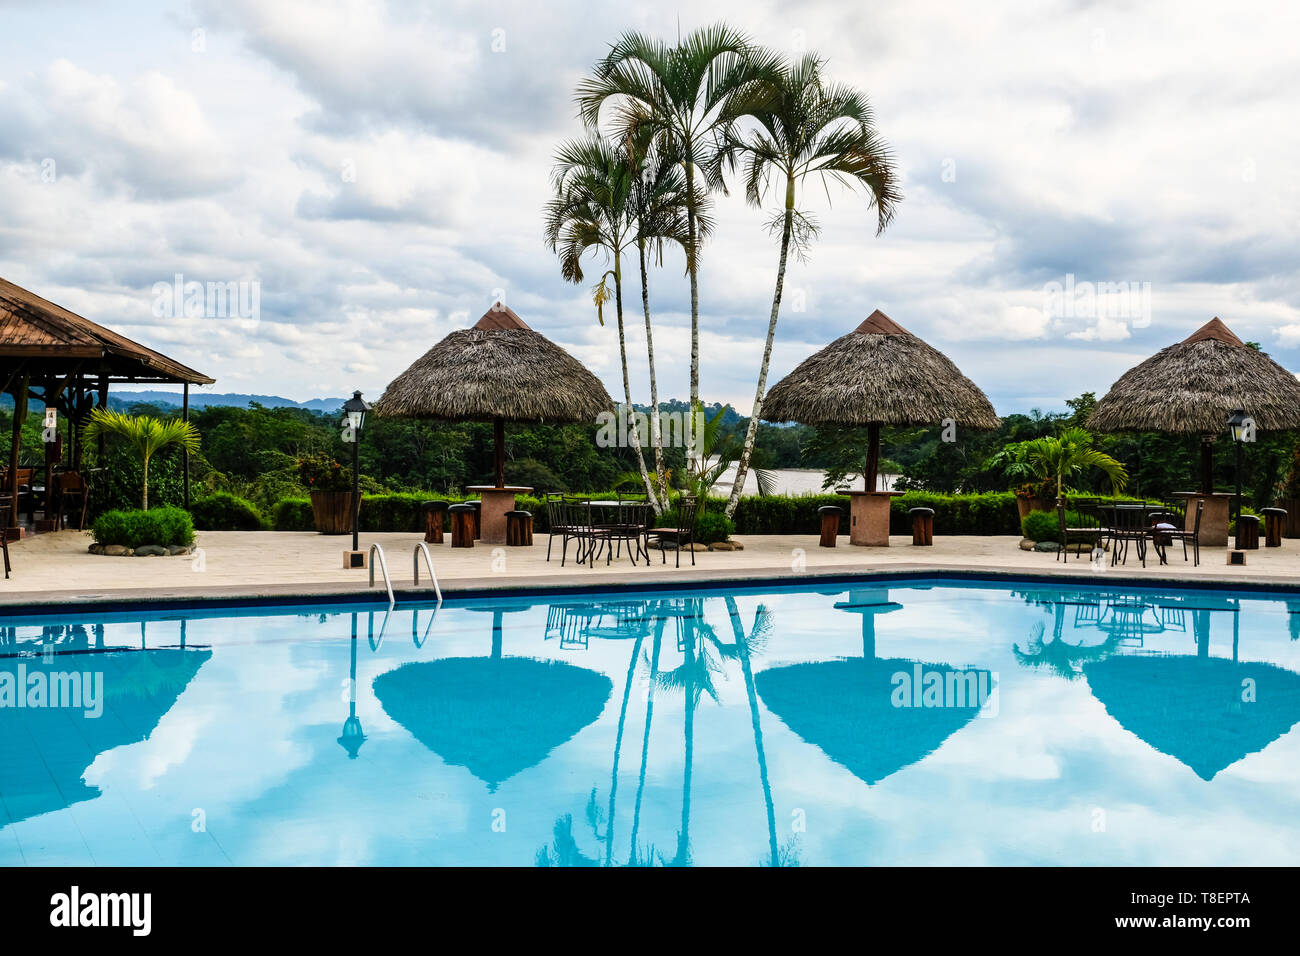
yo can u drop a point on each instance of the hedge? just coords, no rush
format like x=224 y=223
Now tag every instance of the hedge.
x=992 y=513
x=133 y=529
x=225 y=512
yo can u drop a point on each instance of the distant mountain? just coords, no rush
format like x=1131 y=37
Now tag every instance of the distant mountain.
x=237 y=399
x=120 y=398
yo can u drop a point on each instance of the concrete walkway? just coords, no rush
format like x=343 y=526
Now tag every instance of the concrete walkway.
x=56 y=568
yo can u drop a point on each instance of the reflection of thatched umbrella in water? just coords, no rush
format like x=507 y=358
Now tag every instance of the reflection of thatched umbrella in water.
x=44 y=751
x=1199 y=709
x=846 y=707
x=497 y=715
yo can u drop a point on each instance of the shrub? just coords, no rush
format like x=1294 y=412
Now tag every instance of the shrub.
x=292 y=514
x=223 y=512
x=1041 y=526
x=133 y=529
x=712 y=526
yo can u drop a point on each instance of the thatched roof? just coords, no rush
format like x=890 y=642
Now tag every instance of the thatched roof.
x=879 y=372
x=1196 y=385
x=500 y=368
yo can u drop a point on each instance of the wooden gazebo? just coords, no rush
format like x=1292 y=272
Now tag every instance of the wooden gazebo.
x=68 y=363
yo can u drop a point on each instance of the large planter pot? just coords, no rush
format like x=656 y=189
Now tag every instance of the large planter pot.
x=1291 y=523
x=333 y=511
x=1025 y=504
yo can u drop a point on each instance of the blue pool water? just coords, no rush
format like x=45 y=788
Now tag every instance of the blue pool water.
x=787 y=725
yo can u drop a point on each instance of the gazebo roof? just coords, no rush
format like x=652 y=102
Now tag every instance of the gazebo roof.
x=499 y=369
x=879 y=372
x=1195 y=385
x=50 y=338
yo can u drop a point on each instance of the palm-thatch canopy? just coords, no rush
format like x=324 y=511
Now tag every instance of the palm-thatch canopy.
x=500 y=370
x=878 y=374
x=1196 y=385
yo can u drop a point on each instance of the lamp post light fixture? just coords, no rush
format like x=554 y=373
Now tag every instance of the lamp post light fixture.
x=1242 y=428
x=354 y=419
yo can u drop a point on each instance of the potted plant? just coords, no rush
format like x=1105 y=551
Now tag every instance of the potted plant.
x=330 y=486
x=1031 y=484
x=1042 y=466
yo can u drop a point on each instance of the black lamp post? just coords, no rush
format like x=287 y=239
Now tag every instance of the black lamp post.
x=354 y=419
x=1242 y=429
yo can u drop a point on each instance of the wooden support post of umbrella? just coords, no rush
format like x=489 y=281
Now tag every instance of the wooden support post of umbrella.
x=1194 y=388
x=878 y=374
x=498 y=371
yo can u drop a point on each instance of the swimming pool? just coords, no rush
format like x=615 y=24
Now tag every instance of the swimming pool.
x=904 y=722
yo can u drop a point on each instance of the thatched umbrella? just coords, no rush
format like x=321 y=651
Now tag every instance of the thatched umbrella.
x=878 y=374
x=1194 y=387
x=500 y=370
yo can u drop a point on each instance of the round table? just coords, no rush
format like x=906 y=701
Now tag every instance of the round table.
x=492 y=512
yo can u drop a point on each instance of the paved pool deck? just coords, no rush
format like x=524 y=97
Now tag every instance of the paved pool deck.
x=56 y=569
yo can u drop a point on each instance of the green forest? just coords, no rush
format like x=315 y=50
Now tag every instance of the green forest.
x=254 y=454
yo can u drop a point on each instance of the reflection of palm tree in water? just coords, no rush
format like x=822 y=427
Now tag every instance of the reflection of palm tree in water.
x=703 y=653
x=1064 y=658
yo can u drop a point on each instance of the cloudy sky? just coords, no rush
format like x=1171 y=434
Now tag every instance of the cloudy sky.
x=378 y=169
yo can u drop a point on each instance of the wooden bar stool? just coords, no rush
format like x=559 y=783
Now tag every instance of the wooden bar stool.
x=462 y=525
x=519 y=529
x=1274 y=518
x=1247 y=532
x=477 y=505
x=922 y=526
x=433 y=512
x=830 y=515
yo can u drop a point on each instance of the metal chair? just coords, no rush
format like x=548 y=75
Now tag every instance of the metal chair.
x=1194 y=536
x=687 y=508
x=1089 y=529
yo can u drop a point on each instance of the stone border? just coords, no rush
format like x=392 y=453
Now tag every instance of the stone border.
x=144 y=551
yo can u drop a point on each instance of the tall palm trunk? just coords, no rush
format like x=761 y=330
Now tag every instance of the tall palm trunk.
x=633 y=434
x=742 y=467
x=692 y=267
x=656 y=429
x=144 y=486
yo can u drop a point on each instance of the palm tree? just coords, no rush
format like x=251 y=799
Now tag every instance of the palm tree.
x=807 y=129
x=593 y=182
x=145 y=433
x=687 y=96
x=659 y=205
x=1065 y=455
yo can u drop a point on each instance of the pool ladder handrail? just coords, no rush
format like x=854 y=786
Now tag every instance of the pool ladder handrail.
x=420 y=546
x=375 y=549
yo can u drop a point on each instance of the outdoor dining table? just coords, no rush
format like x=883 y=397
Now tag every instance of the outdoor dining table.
x=607 y=514
x=495 y=502
x=1142 y=510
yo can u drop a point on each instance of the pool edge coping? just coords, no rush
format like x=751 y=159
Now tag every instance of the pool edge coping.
x=298 y=595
